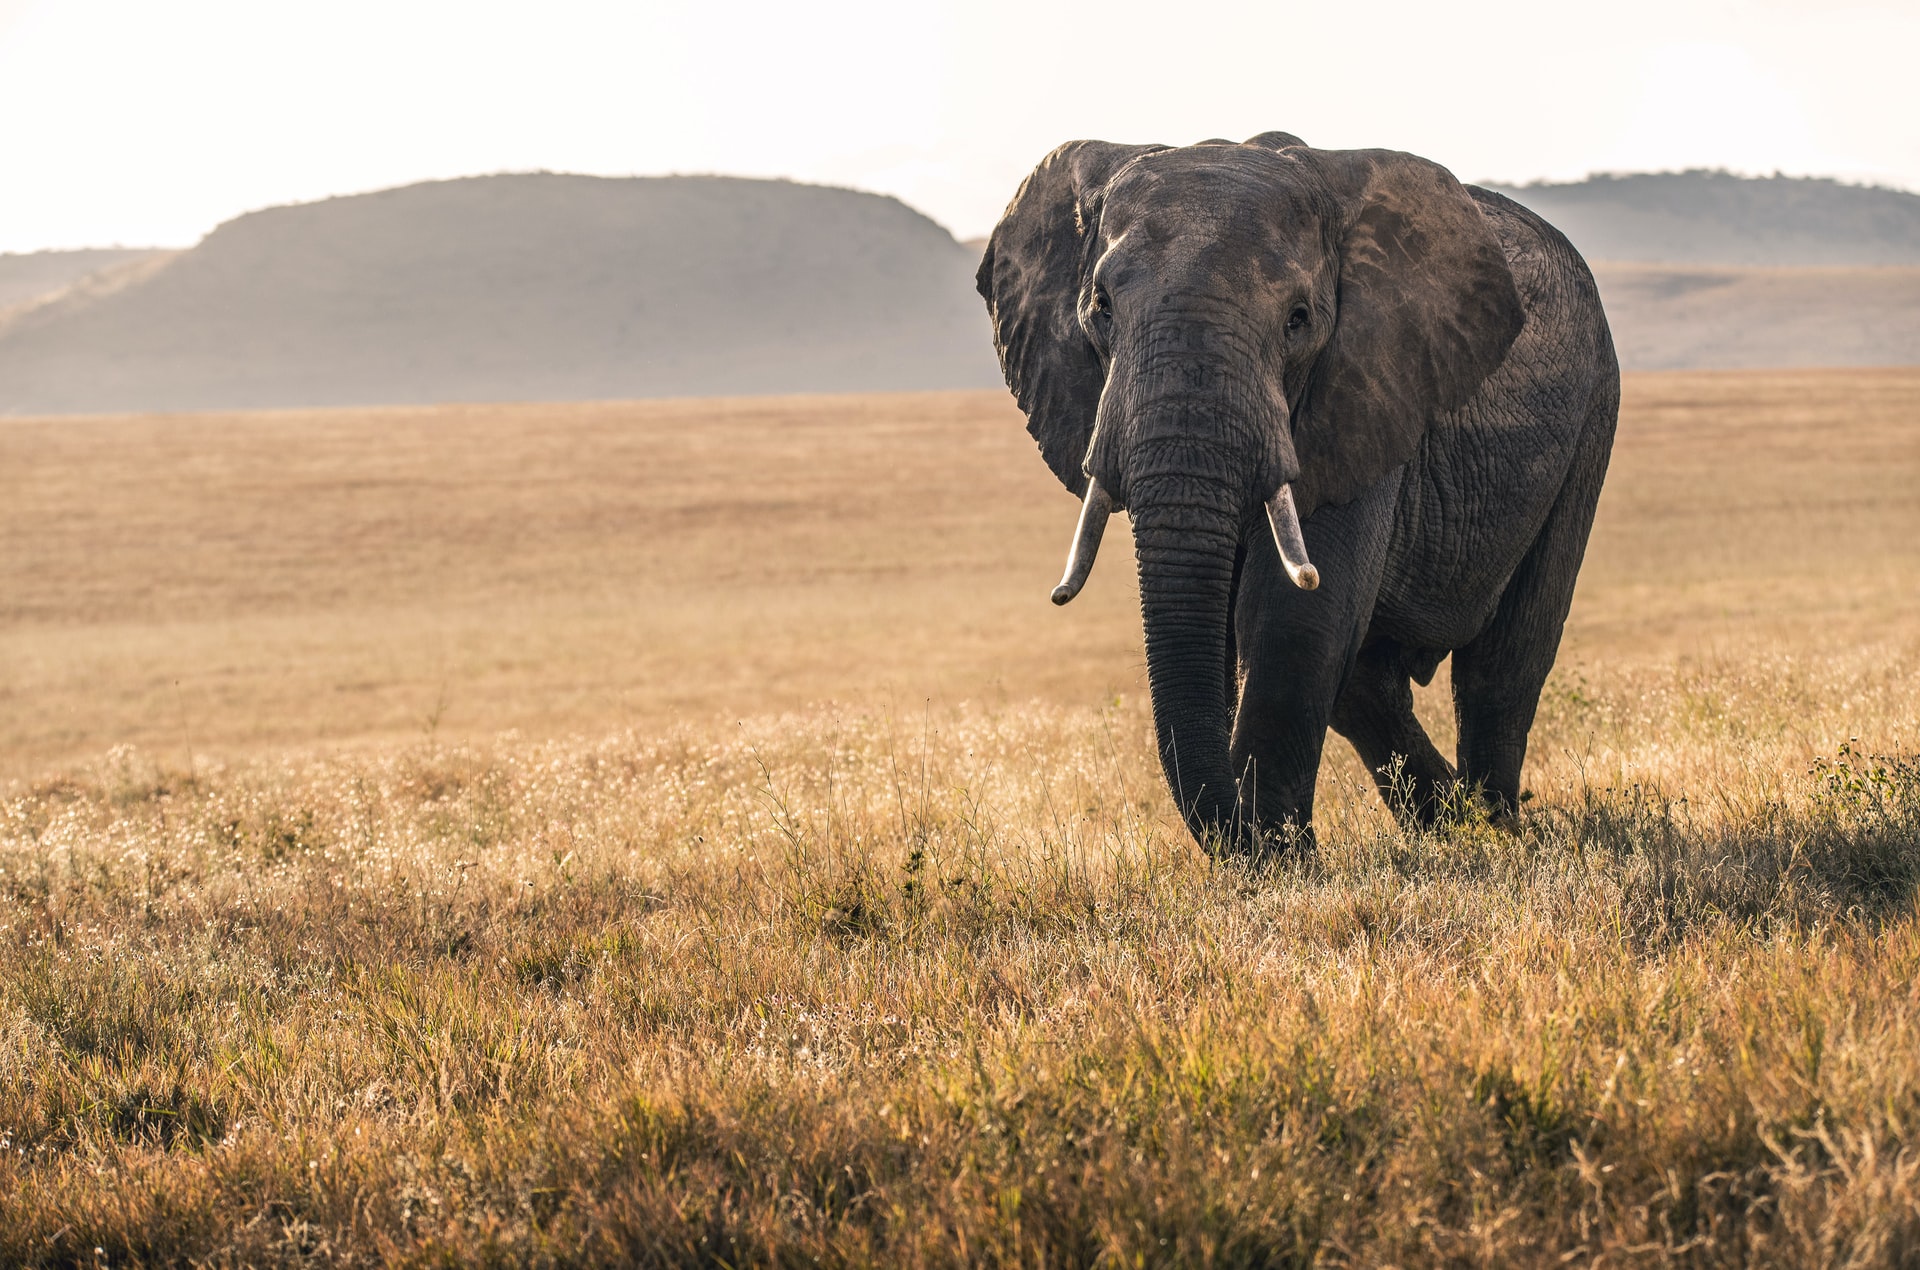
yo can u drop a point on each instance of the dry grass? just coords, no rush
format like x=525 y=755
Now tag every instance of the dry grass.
x=303 y=578
x=920 y=983
x=1742 y=506
x=228 y=584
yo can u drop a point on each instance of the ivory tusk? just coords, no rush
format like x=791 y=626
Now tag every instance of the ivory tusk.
x=1086 y=542
x=1285 y=520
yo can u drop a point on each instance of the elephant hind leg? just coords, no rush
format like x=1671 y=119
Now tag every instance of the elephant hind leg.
x=1375 y=712
x=1497 y=677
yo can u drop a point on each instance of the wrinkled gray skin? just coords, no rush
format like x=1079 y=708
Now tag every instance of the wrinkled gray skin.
x=1427 y=365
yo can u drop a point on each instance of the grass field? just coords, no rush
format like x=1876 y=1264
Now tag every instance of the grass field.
x=823 y=902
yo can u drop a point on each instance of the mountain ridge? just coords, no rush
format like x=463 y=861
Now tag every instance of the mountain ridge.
x=1708 y=216
x=530 y=286
x=521 y=286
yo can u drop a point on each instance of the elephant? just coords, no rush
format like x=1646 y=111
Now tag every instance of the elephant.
x=1359 y=415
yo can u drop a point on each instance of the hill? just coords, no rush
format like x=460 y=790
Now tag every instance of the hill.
x=548 y=287
x=1716 y=218
x=1705 y=269
x=35 y=276
x=522 y=287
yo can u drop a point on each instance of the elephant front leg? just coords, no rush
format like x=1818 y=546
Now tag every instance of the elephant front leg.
x=1296 y=649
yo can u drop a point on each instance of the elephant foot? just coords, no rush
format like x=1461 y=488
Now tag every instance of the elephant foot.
x=1289 y=842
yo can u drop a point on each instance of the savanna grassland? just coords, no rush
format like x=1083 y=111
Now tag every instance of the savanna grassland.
x=682 y=832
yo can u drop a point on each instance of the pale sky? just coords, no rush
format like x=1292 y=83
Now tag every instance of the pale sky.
x=147 y=122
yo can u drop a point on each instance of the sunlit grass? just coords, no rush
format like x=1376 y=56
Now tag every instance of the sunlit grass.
x=329 y=969
x=956 y=989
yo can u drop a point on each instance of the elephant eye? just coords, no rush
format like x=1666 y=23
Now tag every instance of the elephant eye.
x=1099 y=319
x=1298 y=319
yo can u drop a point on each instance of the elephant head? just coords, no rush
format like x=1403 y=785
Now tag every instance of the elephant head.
x=1199 y=335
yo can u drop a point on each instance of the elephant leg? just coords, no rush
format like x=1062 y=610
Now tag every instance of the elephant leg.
x=1295 y=650
x=1375 y=712
x=1497 y=677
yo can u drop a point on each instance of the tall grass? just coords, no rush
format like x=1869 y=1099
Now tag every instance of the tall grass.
x=861 y=988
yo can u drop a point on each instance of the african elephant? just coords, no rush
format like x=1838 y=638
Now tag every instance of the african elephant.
x=1359 y=415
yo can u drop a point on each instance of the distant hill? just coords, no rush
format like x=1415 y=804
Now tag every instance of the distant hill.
x=545 y=287
x=1715 y=218
x=526 y=287
x=1705 y=269
x=34 y=276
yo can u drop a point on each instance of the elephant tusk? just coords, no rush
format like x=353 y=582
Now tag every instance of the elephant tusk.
x=1086 y=542
x=1285 y=519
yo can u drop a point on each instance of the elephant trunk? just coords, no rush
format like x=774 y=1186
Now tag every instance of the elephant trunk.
x=1185 y=545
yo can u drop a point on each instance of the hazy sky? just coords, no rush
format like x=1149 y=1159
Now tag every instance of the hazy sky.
x=150 y=121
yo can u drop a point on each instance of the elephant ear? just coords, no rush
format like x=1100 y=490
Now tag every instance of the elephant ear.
x=1427 y=309
x=1030 y=279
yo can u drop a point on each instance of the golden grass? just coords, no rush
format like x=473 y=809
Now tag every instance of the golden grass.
x=304 y=578
x=228 y=583
x=1744 y=505
x=738 y=979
